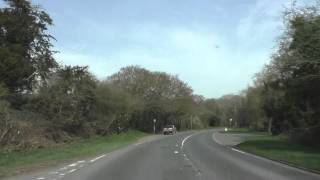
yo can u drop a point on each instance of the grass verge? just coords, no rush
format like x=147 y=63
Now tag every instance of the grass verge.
x=15 y=162
x=280 y=148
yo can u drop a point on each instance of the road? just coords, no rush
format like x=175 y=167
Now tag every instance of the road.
x=184 y=156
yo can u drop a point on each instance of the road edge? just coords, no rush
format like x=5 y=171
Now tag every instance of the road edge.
x=65 y=162
x=292 y=165
x=282 y=162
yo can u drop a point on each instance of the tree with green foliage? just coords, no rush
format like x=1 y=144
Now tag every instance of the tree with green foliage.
x=165 y=97
x=68 y=100
x=25 y=47
x=114 y=108
x=288 y=88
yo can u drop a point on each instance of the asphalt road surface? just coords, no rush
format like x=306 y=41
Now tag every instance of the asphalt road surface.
x=184 y=156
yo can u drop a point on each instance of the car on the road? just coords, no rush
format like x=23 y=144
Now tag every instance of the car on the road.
x=169 y=129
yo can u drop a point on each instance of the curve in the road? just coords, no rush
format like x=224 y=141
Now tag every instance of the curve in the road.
x=198 y=158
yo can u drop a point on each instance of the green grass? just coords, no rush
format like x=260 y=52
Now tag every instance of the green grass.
x=13 y=162
x=279 y=148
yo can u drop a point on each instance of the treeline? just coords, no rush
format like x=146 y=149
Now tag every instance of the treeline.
x=43 y=103
x=285 y=97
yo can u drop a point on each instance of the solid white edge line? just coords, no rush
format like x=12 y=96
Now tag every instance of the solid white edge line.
x=234 y=149
x=97 y=158
x=238 y=151
x=215 y=138
x=262 y=158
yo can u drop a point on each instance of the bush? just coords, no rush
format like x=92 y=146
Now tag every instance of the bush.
x=306 y=136
x=19 y=130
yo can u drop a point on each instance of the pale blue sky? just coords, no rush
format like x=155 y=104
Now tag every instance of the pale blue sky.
x=216 y=46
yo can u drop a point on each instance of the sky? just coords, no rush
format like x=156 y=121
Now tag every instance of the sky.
x=216 y=46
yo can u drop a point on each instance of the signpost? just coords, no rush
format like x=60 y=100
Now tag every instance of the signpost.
x=154 y=125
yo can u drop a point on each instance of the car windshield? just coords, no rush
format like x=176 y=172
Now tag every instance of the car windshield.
x=169 y=126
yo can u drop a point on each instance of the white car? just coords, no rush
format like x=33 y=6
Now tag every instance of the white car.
x=169 y=129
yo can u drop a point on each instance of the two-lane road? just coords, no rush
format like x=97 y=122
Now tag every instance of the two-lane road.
x=184 y=156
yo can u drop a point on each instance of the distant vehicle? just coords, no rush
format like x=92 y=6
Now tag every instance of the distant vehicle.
x=169 y=129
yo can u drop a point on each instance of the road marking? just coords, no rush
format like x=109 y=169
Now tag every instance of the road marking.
x=258 y=157
x=238 y=151
x=177 y=145
x=176 y=152
x=72 y=165
x=83 y=161
x=54 y=172
x=72 y=170
x=62 y=174
x=97 y=158
x=64 y=168
x=41 y=178
x=184 y=140
x=215 y=139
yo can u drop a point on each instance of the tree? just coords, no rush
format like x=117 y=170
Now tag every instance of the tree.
x=149 y=85
x=288 y=88
x=25 y=48
x=68 y=100
x=296 y=71
x=230 y=105
x=114 y=108
x=162 y=95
